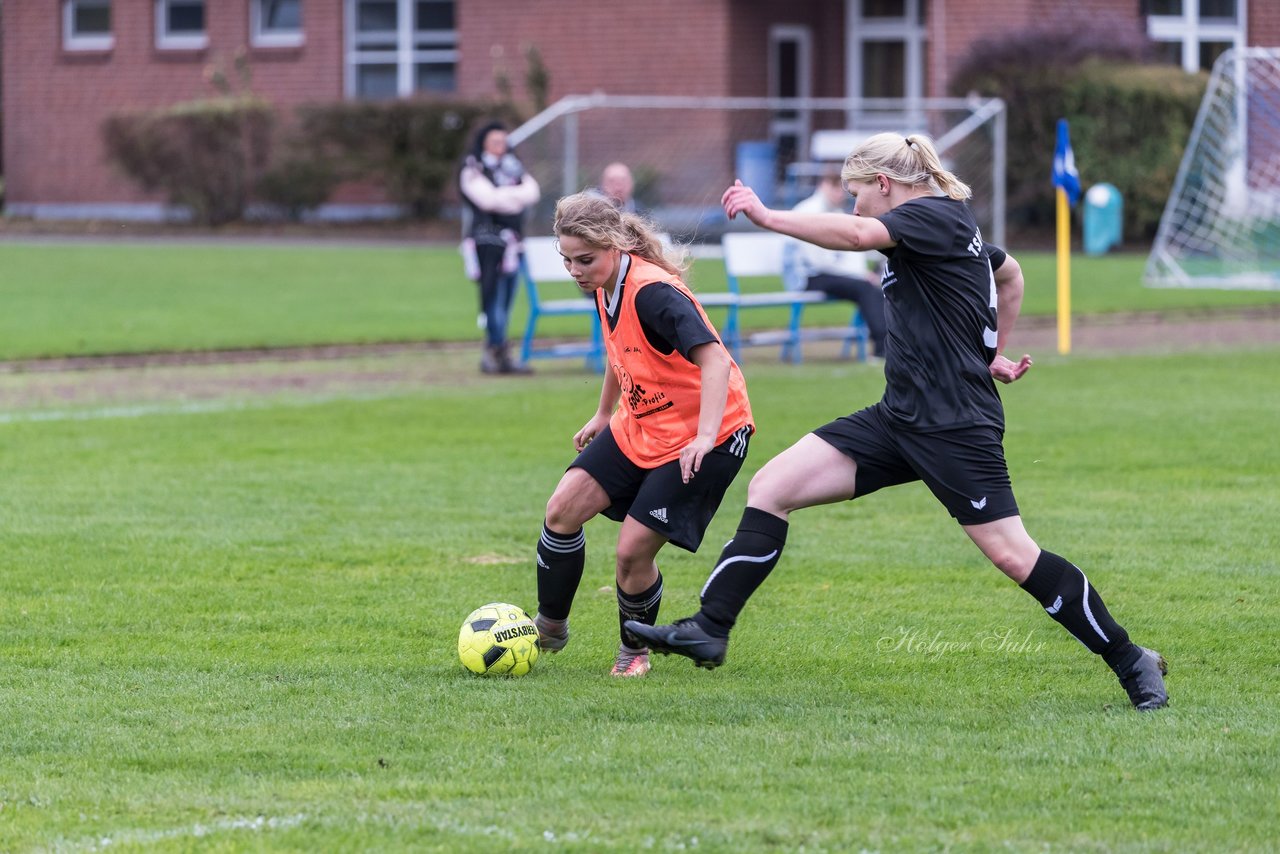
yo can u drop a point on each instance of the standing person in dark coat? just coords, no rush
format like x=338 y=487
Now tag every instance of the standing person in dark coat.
x=497 y=191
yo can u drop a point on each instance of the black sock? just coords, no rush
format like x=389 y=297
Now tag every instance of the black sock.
x=1059 y=585
x=641 y=607
x=561 y=558
x=744 y=564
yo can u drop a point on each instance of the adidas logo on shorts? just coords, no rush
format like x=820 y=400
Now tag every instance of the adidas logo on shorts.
x=660 y=514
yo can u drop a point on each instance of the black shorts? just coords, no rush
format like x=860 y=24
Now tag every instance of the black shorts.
x=964 y=468
x=658 y=498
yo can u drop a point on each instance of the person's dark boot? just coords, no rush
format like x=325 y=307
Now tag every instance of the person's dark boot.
x=683 y=637
x=490 y=363
x=552 y=634
x=507 y=365
x=1143 y=680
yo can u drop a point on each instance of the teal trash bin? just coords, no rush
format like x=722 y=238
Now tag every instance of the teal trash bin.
x=1103 y=219
x=757 y=167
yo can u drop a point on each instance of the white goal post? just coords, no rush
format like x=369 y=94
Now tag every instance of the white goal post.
x=1221 y=225
x=684 y=151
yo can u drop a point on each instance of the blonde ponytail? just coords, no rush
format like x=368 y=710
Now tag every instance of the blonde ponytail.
x=910 y=160
x=945 y=180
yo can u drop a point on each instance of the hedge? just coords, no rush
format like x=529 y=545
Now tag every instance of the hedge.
x=1130 y=120
x=216 y=156
x=1129 y=127
x=205 y=155
x=411 y=148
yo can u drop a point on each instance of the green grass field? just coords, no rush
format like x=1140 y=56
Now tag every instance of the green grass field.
x=86 y=298
x=232 y=627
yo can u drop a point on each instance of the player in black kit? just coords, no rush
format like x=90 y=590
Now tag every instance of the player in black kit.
x=951 y=301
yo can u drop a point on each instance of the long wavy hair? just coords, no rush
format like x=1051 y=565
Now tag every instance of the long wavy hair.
x=595 y=220
x=910 y=160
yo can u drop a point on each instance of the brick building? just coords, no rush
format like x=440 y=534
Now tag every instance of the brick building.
x=68 y=64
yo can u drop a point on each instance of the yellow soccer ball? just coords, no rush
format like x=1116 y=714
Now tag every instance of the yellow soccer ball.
x=498 y=640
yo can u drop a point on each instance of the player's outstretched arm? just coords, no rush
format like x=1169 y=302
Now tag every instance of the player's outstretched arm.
x=829 y=230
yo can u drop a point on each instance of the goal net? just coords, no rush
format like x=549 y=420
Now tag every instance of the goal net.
x=684 y=151
x=1221 y=225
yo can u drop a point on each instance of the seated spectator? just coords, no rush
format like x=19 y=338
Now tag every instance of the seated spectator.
x=840 y=275
x=617 y=185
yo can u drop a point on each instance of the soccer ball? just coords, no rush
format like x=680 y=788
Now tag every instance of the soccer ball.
x=498 y=640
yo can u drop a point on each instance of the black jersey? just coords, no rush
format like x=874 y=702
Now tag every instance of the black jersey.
x=940 y=307
x=669 y=320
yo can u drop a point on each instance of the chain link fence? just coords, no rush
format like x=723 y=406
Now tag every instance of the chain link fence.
x=684 y=151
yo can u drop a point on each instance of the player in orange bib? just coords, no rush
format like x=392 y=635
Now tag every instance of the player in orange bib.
x=668 y=438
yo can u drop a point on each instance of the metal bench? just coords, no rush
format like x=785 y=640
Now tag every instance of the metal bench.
x=761 y=254
x=542 y=266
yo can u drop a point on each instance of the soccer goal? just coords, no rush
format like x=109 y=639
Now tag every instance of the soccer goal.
x=1221 y=225
x=684 y=151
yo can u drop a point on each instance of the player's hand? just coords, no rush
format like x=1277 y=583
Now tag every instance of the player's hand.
x=1006 y=370
x=741 y=199
x=589 y=431
x=691 y=457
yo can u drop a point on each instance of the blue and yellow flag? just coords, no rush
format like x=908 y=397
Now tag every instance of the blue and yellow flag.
x=1064 y=165
x=1066 y=181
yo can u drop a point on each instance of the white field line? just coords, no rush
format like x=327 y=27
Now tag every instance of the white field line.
x=406 y=818
x=200 y=830
x=195 y=407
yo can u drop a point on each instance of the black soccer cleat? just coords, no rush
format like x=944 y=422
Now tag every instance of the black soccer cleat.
x=683 y=637
x=552 y=634
x=1144 y=681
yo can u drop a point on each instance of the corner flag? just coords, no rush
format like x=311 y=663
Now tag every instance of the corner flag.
x=1067 y=181
x=1064 y=165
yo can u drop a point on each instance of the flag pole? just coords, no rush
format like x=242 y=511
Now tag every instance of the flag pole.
x=1064 y=272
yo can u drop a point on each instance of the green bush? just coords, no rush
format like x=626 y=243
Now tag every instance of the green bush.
x=1129 y=127
x=1130 y=121
x=204 y=155
x=411 y=148
x=298 y=182
x=216 y=156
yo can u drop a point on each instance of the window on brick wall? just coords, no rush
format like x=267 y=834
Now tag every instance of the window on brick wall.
x=1194 y=33
x=886 y=58
x=790 y=76
x=398 y=47
x=180 y=24
x=86 y=25
x=276 y=23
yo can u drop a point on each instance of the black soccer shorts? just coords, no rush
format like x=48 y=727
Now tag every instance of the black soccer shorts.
x=657 y=497
x=964 y=468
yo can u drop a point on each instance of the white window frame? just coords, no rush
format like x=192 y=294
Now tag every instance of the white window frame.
x=1189 y=31
x=183 y=41
x=798 y=125
x=411 y=49
x=71 y=40
x=260 y=37
x=909 y=29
